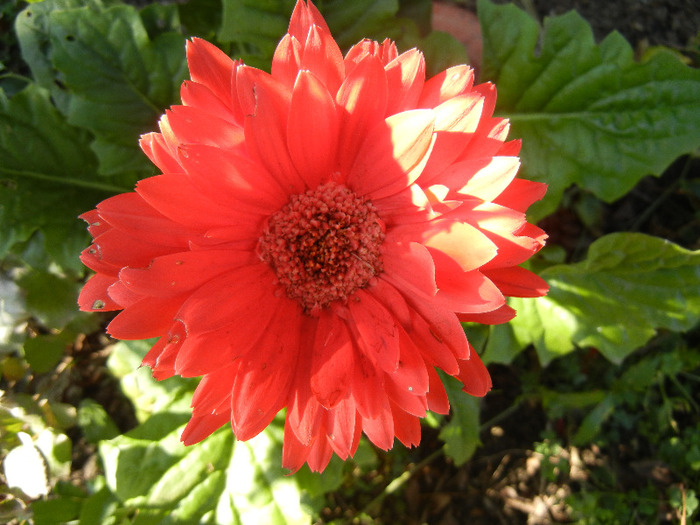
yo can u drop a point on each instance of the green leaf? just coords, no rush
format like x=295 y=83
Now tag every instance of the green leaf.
x=216 y=481
x=55 y=511
x=49 y=298
x=461 y=434
x=257 y=490
x=47 y=174
x=201 y=17
x=120 y=80
x=150 y=397
x=588 y=114
x=32 y=28
x=629 y=286
x=95 y=422
x=350 y=22
x=442 y=51
x=255 y=28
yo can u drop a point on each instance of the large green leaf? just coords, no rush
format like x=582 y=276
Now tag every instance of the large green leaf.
x=32 y=28
x=629 y=286
x=218 y=481
x=46 y=175
x=120 y=79
x=588 y=114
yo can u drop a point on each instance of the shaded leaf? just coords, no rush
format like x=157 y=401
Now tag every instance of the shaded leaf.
x=49 y=298
x=47 y=175
x=120 y=80
x=629 y=286
x=461 y=433
x=588 y=114
x=94 y=422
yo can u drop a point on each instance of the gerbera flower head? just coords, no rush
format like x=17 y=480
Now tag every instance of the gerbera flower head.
x=314 y=240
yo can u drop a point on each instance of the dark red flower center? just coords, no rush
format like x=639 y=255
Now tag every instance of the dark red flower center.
x=323 y=245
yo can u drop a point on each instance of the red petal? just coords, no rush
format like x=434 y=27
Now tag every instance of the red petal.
x=376 y=327
x=163 y=363
x=485 y=182
x=319 y=455
x=294 y=453
x=406 y=76
x=261 y=387
x=462 y=291
x=414 y=404
x=286 y=61
x=234 y=296
x=517 y=282
x=368 y=387
x=385 y=52
x=455 y=122
x=176 y=197
x=438 y=401
x=203 y=353
x=213 y=393
x=446 y=85
x=342 y=423
x=397 y=150
x=392 y=300
x=464 y=243
x=231 y=179
x=129 y=213
x=192 y=125
x=94 y=298
x=115 y=249
x=176 y=273
x=199 y=96
x=305 y=15
x=210 y=66
x=155 y=148
x=312 y=130
x=322 y=57
x=411 y=263
x=265 y=104
x=149 y=317
x=363 y=97
x=502 y=315
x=442 y=323
x=200 y=427
x=406 y=427
x=411 y=375
x=332 y=360
x=380 y=428
x=521 y=194
x=474 y=376
x=304 y=414
x=433 y=349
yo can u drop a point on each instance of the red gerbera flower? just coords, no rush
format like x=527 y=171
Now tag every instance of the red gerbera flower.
x=315 y=238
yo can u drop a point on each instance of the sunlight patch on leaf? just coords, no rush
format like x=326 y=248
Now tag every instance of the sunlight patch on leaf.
x=629 y=286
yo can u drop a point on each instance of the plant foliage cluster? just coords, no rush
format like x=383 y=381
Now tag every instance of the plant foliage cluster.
x=611 y=355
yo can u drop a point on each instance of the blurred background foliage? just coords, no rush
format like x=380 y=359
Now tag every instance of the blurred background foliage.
x=595 y=414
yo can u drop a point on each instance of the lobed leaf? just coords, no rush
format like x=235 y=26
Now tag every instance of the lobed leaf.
x=629 y=286
x=588 y=114
x=119 y=79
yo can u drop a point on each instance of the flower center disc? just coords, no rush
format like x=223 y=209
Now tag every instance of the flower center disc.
x=323 y=245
